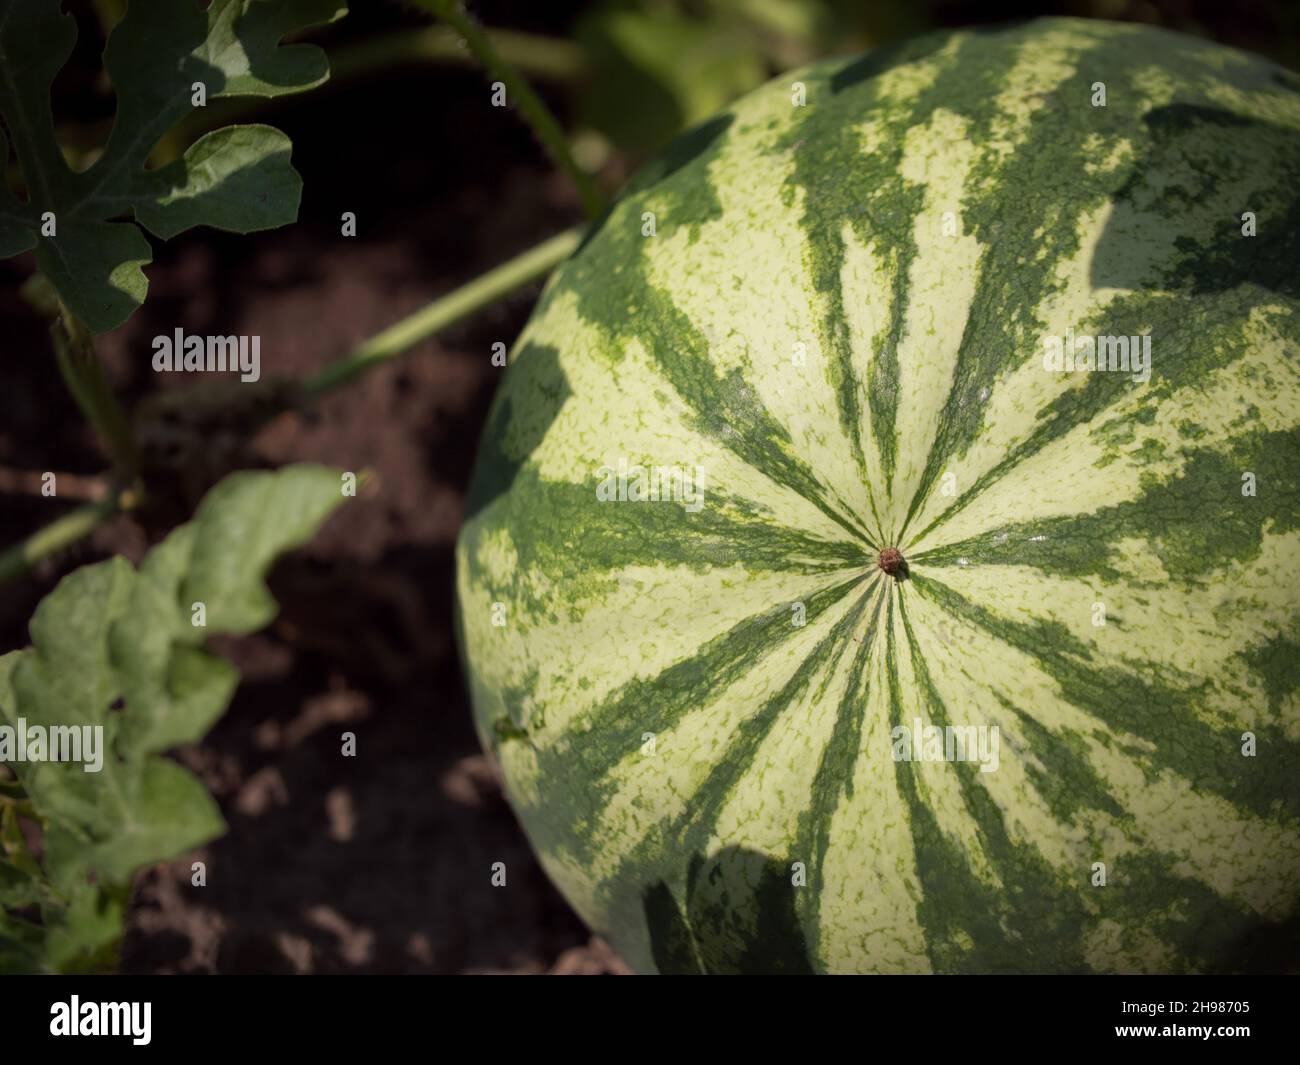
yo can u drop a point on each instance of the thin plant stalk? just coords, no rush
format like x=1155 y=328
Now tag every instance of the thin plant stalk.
x=547 y=58
x=61 y=533
x=447 y=310
x=534 y=112
x=83 y=373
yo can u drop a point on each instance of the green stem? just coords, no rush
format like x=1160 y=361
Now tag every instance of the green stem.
x=83 y=373
x=535 y=113
x=550 y=58
x=447 y=310
x=61 y=533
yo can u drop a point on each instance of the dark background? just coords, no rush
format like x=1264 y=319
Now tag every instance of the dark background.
x=381 y=862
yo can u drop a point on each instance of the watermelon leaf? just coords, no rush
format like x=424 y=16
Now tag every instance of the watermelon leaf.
x=117 y=650
x=238 y=178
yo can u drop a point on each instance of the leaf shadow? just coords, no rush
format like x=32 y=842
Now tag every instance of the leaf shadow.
x=740 y=918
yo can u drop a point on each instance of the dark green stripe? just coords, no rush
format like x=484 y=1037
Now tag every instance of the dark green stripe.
x=1030 y=925
x=610 y=279
x=726 y=917
x=1061 y=773
x=833 y=781
x=1148 y=707
x=882 y=206
x=1185 y=153
x=1197 y=523
x=603 y=738
x=1038 y=923
x=1208 y=934
x=840 y=184
x=561 y=531
x=1191 y=340
x=1042 y=184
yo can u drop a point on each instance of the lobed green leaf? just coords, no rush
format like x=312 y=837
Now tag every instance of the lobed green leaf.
x=238 y=178
x=118 y=648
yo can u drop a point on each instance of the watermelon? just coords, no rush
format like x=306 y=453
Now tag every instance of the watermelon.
x=839 y=594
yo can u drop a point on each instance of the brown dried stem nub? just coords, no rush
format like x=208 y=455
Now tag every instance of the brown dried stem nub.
x=891 y=561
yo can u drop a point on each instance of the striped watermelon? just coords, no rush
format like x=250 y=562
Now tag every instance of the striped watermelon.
x=934 y=652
